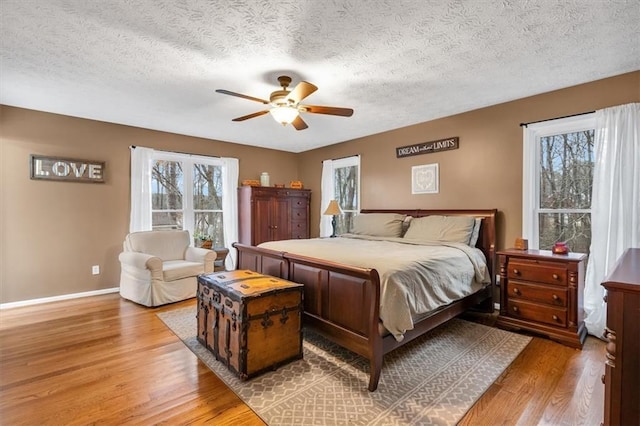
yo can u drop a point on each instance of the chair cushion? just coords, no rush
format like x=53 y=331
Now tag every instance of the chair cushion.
x=167 y=245
x=177 y=269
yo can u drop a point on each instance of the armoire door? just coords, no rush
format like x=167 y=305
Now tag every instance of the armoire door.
x=262 y=219
x=281 y=219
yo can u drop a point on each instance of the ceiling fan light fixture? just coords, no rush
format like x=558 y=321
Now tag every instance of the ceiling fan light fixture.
x=285 y=105
x=284 y=114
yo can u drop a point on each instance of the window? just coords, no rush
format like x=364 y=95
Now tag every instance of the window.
x=207 y=203
x=558 y=176
x=181 y=191
x=166 y=195
x=340 y=182
x=187 y=194
x=345 y=190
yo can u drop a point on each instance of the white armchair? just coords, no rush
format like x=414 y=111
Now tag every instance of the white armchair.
x=159 y=267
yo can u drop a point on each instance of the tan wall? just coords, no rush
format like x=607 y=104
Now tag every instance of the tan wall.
x=485 y=172
x=52 y=232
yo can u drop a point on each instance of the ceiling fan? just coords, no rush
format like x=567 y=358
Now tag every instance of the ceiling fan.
x=285 y=104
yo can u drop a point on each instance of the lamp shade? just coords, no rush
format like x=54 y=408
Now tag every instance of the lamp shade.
x=284 y=114
x=333 y=209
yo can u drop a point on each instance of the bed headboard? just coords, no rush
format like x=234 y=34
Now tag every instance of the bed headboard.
x=486 y=239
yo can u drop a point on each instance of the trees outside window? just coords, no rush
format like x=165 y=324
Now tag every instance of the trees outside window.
x=558 y=165
x=187 y=194
x=167 y=187
x=345 y=189
x=340 y=182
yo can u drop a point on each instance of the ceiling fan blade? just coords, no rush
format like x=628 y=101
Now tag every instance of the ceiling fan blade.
x=344 y=112
x=240 y=95
x=299 y=123
x=301 y=91
x=255 y=114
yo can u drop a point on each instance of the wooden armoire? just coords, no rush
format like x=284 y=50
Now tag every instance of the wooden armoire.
x=270 y=214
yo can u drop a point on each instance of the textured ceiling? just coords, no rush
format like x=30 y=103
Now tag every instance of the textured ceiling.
x=156 y=63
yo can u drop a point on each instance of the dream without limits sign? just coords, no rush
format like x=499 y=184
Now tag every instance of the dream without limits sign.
x=427 y=147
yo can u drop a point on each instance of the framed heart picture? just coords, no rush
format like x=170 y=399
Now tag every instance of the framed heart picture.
x=424 y=179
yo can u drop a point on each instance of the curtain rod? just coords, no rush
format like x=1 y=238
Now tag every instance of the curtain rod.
x=184 y=153
x=340 y=158
x=556 y=118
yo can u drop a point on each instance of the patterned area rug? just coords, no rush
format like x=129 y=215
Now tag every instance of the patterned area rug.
x=433 y=380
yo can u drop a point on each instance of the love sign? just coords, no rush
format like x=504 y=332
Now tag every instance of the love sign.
x=66 y=169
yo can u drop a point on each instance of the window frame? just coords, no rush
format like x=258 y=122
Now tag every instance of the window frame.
x=531 y=170
x=341 y=164
x=325 y=227
x=187 y=161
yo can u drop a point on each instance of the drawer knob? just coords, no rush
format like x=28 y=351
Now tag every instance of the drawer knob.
x=516 y=290
x=515 y=309
x=556 y=276
x=555 y=297
x=516 y=271
x=555 y=318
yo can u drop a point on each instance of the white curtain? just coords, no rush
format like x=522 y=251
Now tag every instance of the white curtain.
x=230 y=208
x=615 y=205
x=326 y=195
x=140 y=219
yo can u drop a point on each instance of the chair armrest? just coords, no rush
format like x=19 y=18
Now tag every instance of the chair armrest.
x=198 y=254
x=141 y=260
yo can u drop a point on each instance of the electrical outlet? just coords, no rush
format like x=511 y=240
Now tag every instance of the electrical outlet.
x=95 y=269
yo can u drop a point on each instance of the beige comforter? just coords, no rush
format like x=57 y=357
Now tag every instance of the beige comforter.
x=415 y=277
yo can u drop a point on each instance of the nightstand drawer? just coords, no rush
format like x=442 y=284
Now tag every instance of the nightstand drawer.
x=542 y=272
x=537 y=312
x=555 y=296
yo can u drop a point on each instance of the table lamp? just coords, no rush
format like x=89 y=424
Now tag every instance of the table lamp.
x=333 y=209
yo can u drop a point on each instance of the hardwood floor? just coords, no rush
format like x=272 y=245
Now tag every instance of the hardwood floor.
x=104 y=360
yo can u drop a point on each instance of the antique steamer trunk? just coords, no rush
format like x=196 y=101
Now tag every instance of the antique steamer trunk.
x=251 y=322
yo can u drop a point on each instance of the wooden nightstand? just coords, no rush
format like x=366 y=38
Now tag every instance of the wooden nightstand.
x=543 y=292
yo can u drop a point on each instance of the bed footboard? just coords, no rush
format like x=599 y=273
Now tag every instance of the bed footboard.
x=340 y=302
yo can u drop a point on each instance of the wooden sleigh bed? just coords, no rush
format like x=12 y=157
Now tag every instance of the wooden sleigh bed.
x=342 y=302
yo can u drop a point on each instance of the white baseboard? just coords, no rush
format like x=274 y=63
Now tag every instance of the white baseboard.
x=58 y=298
